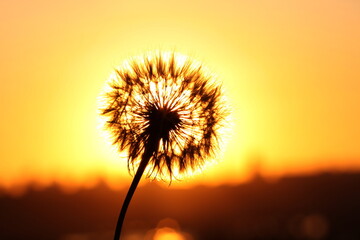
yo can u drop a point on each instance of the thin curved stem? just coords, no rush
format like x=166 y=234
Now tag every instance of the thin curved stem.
x=135 y=182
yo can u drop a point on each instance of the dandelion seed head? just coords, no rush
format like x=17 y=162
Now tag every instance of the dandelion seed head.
x=166 y=105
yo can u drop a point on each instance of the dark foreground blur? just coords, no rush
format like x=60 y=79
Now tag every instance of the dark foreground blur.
x=325 y=206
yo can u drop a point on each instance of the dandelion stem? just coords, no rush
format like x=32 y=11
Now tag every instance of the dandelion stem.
x=166 y=112
x=139 y=172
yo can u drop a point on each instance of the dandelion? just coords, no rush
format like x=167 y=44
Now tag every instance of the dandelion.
x=165 y=111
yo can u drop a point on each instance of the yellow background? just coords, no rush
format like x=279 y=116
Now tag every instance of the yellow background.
x=291 y=70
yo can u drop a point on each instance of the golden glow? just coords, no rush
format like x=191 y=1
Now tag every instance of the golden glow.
x=168 y=234
x=168 y=229
x=290 y=70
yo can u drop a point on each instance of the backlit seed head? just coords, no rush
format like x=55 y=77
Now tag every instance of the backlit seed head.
x=168 y=106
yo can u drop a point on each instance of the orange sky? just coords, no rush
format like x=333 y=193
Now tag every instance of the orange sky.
x=291 y=70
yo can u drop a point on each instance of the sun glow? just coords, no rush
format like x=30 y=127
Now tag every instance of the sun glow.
x=290 y=71
x=168 y=234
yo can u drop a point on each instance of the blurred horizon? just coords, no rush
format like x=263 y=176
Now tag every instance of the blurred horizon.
x=255 y=175
x=318 y=207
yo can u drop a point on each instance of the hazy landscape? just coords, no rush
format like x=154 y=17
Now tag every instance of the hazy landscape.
x=324 y=206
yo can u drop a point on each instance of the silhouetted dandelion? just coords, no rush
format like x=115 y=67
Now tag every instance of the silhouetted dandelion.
x=165 y=111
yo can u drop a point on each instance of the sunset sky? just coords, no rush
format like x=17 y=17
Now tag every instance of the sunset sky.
x=291 y=71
